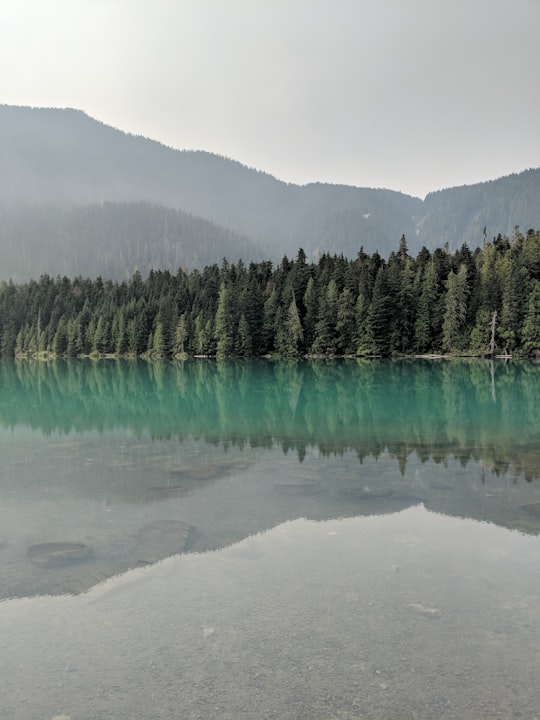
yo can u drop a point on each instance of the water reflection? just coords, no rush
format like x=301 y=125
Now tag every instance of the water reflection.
x=112 y=466
x=307 y=621
x=267 y=540
x=470 y=409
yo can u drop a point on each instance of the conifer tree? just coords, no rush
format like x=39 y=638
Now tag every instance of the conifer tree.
x=289 y=334
x=60 y=340
x=512 y=282
x=200 y=337
x=251 y=307
x=363 y=336
x=223 y=325
x=345 y=322
x=455 y=311
x=380 y=314
x=180 y=336
x=120 y=336
x=531 y=323
x=158 y=343
x=481 y=332
x=244 y=343
x=325 y=328
x=427 y=312
x=270 y=312
x=311 y=305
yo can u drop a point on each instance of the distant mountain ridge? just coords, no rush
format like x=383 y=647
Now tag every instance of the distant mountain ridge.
x=64 y=159
x=111 y=240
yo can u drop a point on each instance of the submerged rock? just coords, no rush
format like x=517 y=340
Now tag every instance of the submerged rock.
x=160 y=539
x=73 y=567
x=58 y=553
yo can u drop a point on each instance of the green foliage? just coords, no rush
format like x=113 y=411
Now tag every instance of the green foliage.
x=531 y=324
x=427 y=315
x=481 y=333
x=180 y=336
x=224 y=324
x=455 y=310
x=484 y=303
x=381 y=313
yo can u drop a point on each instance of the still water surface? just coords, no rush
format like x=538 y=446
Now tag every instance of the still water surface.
x=268 y=540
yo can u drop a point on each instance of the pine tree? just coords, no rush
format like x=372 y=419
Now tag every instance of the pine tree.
x=120 y=336
x=380 y=315
x=481 y=332
x=74 y=337
x=404 y=310
x=345 y=324
x=158 y=344
x=427 y=312
x=60 y=340
x=363 y=336
x=100 y=339
x=490 y=289
x=251 y=307
x=311 y=304
x=131 y=333
x=244 y=344
x=20 y=344
x=325 y=328
x=455 y=312
x=512 y=281
x=270 y=312
x=223 y=325
x=531 y=323
x=202 y=335
x=289 y=334
x=180 y=336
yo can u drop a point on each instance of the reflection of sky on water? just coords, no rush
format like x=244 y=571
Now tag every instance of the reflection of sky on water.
x=102 y=489
x=308 y=620
x=388 y=606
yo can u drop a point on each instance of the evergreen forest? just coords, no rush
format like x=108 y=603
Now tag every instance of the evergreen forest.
x=78 y=197
x=480 y=302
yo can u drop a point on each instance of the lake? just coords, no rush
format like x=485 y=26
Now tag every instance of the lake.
x=315 y=540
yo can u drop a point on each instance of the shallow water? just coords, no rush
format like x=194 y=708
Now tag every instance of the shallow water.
x=357 y=540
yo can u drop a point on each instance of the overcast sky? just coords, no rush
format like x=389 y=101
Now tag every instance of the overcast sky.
x=413 y=95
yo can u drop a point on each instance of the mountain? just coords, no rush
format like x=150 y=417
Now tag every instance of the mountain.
x=112 y=240
x=460 y=214
x=88 y=189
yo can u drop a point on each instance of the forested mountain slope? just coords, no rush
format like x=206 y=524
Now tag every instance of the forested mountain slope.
x=462 y=213
x=63 y=158
x=111 y=240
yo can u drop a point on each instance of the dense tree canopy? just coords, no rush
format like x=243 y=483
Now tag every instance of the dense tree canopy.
x=481 y=302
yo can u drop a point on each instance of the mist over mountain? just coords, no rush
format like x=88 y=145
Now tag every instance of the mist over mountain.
x=80 y=197
x=112 y=240
x=459 y=214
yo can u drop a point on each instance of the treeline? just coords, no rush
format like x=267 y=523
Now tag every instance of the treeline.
x=482 y=302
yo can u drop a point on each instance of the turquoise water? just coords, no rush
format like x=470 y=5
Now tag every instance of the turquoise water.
x=270 y=540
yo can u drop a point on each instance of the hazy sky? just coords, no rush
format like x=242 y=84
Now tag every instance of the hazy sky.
x=413 y=95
